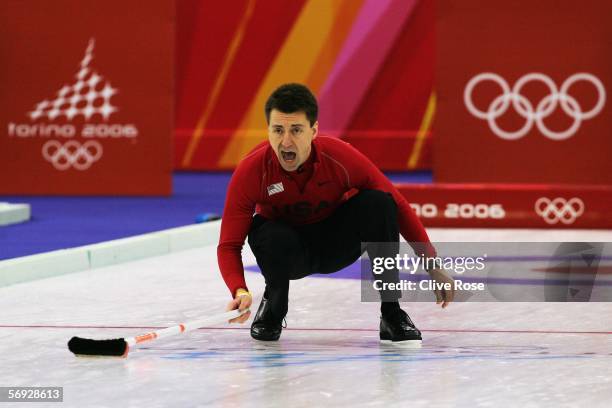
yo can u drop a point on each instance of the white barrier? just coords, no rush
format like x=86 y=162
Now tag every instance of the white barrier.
x=55 y=263
x=14 y=213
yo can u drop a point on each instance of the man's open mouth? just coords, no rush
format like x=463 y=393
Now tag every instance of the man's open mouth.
x=288 y=156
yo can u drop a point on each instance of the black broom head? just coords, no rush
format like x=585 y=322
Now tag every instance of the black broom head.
x=87 y=347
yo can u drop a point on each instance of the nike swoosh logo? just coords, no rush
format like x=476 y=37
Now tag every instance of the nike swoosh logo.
x=321 y=183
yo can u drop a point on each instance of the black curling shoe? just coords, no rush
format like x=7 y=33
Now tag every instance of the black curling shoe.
x=265 y=328
x=397 y=328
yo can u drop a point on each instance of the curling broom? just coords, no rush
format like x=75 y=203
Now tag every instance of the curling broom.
x=120 y=347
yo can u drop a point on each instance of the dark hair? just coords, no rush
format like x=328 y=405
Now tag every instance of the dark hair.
x=290 y=98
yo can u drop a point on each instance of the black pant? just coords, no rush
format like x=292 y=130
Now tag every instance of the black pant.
x=285 y=252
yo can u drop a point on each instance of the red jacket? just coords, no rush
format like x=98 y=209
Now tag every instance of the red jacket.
x=259 y=184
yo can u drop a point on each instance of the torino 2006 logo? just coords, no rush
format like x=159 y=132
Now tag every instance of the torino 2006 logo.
x=534 y=113
x=88 y=99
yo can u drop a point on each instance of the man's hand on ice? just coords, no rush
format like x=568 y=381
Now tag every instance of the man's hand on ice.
x=242 y=301
x=443 y=296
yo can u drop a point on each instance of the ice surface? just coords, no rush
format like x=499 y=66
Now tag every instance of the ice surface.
x=473 y=354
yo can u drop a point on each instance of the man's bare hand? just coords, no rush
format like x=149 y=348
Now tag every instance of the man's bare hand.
x=443 y=296
x=242 y=301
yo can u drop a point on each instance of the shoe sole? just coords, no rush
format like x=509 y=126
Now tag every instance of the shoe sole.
x=266 y=340
x=403 y=343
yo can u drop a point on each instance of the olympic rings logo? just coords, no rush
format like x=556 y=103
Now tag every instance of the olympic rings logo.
x=72 y=154
x=542 y=110
x=559 y=209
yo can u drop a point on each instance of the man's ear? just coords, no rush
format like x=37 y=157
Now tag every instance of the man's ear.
x=315 y=129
